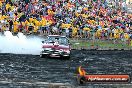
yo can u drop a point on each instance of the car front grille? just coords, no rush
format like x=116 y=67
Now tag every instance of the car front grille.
x=52 y=51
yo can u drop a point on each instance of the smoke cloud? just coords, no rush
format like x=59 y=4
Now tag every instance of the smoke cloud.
x=20 y=44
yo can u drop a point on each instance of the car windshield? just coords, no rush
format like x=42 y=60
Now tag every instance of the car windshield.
x=60 y=40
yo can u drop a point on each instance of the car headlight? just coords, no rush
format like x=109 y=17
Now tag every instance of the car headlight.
x=66 y=50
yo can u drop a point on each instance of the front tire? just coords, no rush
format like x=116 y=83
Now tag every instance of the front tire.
x=41 y=55
x=65 y=57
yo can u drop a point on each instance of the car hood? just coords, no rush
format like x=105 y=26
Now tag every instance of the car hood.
x=55 y=46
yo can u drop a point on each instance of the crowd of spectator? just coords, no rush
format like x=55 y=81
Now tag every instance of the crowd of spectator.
x=91 y=19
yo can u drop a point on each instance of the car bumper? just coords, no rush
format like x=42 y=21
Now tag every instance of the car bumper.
x=55 y=54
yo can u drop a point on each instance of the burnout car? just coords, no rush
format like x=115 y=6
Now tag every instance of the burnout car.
x=56 y=46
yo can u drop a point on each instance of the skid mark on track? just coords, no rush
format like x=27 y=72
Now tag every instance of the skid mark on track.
x=28 y=69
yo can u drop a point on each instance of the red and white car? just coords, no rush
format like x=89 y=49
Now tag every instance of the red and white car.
x=56 y=46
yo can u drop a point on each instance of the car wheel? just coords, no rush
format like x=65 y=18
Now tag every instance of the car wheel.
x=41 y=55
x=65 y=57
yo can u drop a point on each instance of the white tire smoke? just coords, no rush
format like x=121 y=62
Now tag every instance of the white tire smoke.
x=20 y=44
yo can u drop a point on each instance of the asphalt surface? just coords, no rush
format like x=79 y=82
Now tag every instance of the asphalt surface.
x=20 y=70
